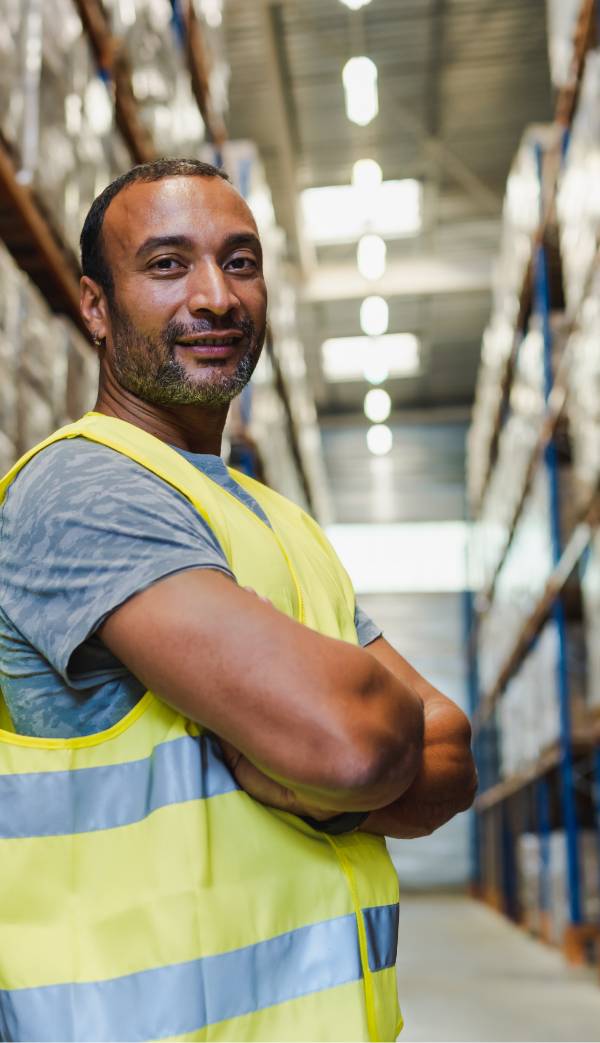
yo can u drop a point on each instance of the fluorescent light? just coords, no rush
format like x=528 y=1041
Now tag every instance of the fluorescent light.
x=378 y=405
x=367 y=175
x=370 y=256
x=374 y=316
x=342 y=213
x=359 y=77
x=347 y=358
x=379 y=439
x=355 y=5
x=406 y=557
x=375 y=370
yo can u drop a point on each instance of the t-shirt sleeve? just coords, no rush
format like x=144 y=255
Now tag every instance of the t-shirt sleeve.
x=366 y=629
x=83 y=528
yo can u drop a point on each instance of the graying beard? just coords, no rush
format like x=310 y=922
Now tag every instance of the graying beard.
x=170 y=385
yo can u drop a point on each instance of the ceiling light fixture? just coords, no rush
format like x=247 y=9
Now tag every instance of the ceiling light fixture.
x=374 y=316
x=367 y=175
x=377 y=405
x=375 y=370
x=379 y=439
x=355 y=5
x=342 y=213
x=370 y=256
x=359 y=77
x=371 y=358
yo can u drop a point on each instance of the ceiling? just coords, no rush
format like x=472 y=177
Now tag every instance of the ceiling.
x=458 y=82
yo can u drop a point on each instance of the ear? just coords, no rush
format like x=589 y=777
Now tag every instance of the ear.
x=93 y=306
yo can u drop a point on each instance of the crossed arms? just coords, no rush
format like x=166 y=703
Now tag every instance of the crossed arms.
x=308 y=723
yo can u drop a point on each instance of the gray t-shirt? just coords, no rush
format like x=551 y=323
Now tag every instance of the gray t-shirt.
x=82 y=529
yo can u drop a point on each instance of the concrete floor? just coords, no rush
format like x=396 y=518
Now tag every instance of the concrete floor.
x=467 y=974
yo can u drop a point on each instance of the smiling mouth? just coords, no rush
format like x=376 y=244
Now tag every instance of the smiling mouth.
x=227 y=340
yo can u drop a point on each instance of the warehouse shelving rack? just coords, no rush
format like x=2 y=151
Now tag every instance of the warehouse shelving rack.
x=552 y=785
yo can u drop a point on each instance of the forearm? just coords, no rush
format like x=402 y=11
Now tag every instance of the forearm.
x=317 y=715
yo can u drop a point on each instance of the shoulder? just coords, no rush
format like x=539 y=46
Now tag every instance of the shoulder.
x=76 y=472
x=77 y=489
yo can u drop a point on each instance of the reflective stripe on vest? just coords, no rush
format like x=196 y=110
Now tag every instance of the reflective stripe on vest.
x=143 y=895
x=203 y=992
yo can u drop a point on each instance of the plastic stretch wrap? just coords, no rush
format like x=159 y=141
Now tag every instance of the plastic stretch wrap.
x=58 y=118
x=520 y=582
x=11 y=282
x=42 y=369
x=584 y=400
x=528 y=183
x=578 y=200
x=590 y=586
x=210 y=13
x=12 y=98
x=561 y=16
x=516 y=444
x=529 y=711
x=159 y=74
x=530 y=876
x=48 y=373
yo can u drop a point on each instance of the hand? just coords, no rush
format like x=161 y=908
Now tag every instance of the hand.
x=444 y=785
x=265 y=790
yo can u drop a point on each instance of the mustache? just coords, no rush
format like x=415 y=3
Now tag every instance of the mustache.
x=174 y=331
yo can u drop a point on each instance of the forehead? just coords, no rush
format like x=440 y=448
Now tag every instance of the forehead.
x=203 y=208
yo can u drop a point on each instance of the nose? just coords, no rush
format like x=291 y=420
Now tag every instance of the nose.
x=210 y=290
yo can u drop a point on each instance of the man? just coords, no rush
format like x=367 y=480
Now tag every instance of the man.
x=200 y=762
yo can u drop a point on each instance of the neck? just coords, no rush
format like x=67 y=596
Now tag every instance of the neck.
x=197 y=428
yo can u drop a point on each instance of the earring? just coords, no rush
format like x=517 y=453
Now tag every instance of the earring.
x=97 y=341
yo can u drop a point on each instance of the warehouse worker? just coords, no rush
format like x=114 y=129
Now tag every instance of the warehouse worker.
x=195 y=777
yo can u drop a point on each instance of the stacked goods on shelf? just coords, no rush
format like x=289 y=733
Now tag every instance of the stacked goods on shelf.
x=542 y=881
x=578 y=198
x=583 y=403
x=210 y=14
x=65 y=143
x=522 y=213
x=590 y=586
x=159 y=78
x=521 y=580
x=12 y=99
x=517 y=441
x=528 y=715
x=48 y=372
x=10 y=282
x=562 y=18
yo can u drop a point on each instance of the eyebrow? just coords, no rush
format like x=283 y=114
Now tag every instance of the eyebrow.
x=236 y=239
x=155 y=242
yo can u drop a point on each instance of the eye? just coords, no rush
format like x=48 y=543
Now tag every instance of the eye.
x=243 y=263
x=165 y=264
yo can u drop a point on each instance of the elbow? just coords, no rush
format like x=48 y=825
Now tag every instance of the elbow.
x=375 y=766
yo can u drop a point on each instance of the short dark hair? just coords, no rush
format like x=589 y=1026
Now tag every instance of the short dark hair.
x=93 y=258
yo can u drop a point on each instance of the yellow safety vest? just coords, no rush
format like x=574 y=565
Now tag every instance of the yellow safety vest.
x=143 y=895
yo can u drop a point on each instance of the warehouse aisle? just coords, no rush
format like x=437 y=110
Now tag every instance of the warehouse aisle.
x=467 y=974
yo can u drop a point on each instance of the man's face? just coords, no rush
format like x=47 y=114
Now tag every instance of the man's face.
x=186 y=322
